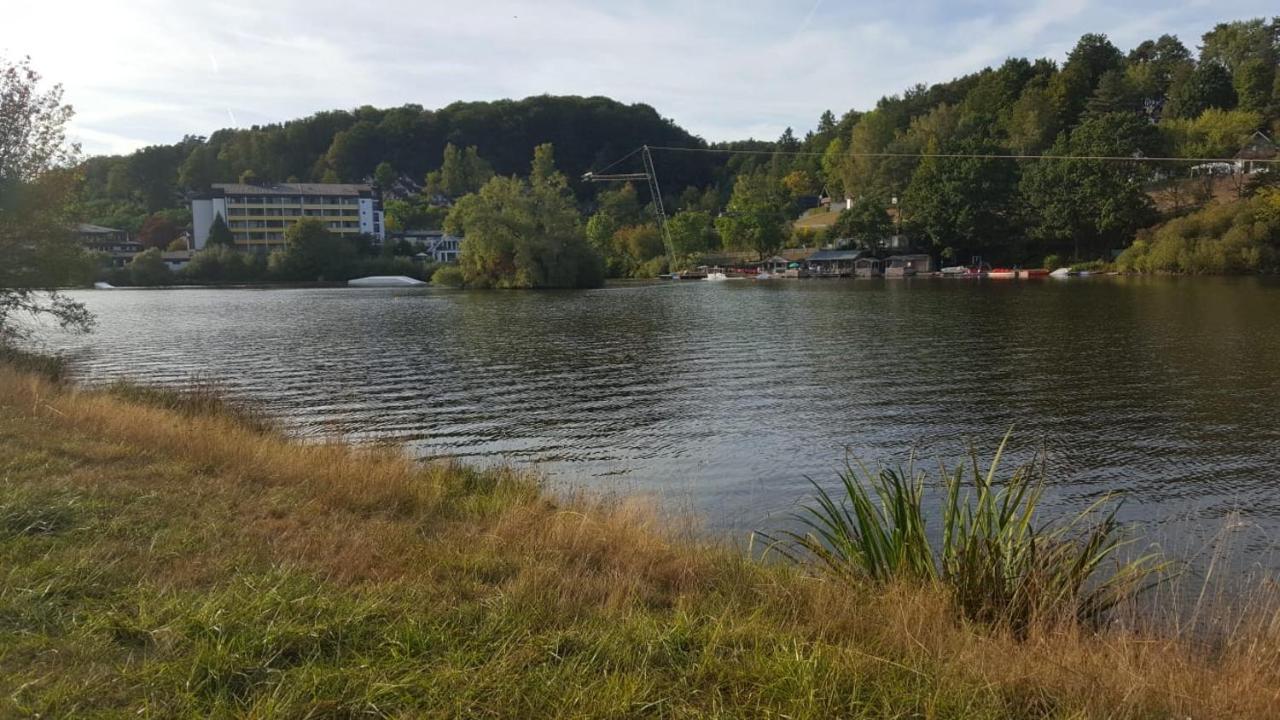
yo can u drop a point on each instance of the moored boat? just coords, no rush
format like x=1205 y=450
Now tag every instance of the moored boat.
x=1033 y=273
x=1002 y=273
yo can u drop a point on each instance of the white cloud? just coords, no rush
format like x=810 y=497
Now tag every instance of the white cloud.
x=148 y=71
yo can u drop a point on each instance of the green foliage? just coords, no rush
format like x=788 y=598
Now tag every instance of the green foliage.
x=413 y=214
x=1214 y=134
x=963 y=206
x=1000 y=566
x=525 y=234
x=754 y=219
x=313 y=253
x=1222 y=238
x=1084 y=208
x=1254 y=81
x=1207 y=86
x=148 y=268
x=448 y=276
x=37 y=251
x=461 y=172
x=385 y=175
x=866 y=224
x=693 y=232
x=219 y=233
x=222 y=264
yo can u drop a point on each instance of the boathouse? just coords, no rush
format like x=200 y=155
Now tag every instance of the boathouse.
x=833 y=263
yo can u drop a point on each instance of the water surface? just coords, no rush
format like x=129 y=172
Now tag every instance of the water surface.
x=725 y=397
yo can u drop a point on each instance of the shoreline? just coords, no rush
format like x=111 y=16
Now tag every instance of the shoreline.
x=195 y=562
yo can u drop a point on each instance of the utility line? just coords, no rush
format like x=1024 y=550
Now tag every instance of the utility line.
x=961 y=156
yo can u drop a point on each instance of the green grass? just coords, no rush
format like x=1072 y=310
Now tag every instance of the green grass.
x=164 y=559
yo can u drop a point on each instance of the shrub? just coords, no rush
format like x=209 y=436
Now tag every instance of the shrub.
x=998 y=564
x=1238 y=237
x=448 y=276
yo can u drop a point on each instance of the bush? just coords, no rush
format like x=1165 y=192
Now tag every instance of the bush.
x=1052 y=261
x=148 y=268
x=1238 y=237
x=1000 y=566
x=448 y=276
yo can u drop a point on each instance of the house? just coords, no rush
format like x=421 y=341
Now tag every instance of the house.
x=776 y=265
x=833 y=263
x=437 y=245
x=1258 y=148
x=258 y=215
x=113 y=243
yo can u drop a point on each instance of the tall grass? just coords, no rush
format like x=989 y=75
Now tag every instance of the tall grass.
x=1000 y=566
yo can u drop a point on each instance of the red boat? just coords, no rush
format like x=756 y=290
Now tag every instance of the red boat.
x=1002 y=273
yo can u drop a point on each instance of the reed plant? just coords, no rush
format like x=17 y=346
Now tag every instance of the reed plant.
x=999 y=564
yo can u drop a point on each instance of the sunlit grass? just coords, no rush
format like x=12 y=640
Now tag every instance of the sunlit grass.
x=164 y=559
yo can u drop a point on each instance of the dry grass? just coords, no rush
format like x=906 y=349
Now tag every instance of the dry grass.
x=162 y=561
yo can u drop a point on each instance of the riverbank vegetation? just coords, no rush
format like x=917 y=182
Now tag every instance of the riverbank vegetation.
x=163 y=557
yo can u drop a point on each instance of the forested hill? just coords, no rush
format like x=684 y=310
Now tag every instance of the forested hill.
x=348 y=146
x=1158 y=98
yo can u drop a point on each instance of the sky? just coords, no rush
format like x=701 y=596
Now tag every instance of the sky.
x=142 y=72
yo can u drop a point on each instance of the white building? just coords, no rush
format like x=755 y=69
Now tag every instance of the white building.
x=258 y=215
x=439 y=245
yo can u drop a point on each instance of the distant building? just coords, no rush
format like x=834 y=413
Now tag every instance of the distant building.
x=438 y=245
x=1259 y=147
x=176 y=259
x=258 y=215
x=833 y=263
x=113 y=243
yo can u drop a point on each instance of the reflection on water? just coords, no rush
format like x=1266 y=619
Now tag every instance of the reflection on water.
x=724 y=397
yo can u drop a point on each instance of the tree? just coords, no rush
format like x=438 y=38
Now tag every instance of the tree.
x=1091 y=58
x=385 y=176
x=149 y=268
x=1233 y=44
x=965 y=206
x=754 y=219
x=35 y=199
x=866 y=224
x=219 y=263
x=524 y=234
x=1207 y=86
x=1114 y=94
x=219 y=233
x=157 y=231
x=1085 y=208
x=1214 y=134
x=461 y=172
x=313 y=253
x=248 y=177
x=692 y=232
x=1253 y=82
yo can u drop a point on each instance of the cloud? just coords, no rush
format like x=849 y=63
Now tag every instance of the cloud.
x=149 y=71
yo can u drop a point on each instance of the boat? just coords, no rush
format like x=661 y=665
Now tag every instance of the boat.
x=764 y=275
x=1061 y=273
x=954 y=271
x=717 y=275
x=1033 y=273
x=103 y=286
x=385 y=281
x=1000 y=273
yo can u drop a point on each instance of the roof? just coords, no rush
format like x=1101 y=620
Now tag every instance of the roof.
x=1259 y=147
x=331 y=189
x=87 y=229
x=832 y=255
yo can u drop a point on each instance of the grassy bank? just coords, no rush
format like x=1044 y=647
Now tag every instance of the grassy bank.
x=166 y=558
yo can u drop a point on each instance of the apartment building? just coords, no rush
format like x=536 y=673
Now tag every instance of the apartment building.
x=258 y=215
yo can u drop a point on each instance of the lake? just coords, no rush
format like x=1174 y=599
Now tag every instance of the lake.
x=724 y=398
